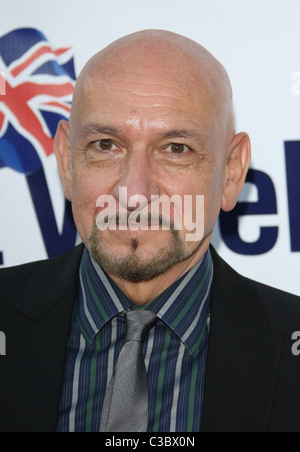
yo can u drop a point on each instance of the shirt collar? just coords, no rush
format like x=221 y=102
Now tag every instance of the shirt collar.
x=184 y=306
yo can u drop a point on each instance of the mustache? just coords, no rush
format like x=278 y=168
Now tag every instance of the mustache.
x=127 y=218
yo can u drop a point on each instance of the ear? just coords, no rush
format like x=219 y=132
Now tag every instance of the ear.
x=62 y=150
x=238 y=162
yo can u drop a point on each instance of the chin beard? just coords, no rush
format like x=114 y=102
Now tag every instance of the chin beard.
x=134 y=267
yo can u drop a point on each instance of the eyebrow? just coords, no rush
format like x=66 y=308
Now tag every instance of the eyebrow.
x=183 y=133
x=94 y=129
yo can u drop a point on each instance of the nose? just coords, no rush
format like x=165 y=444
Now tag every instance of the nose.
x=136 y=185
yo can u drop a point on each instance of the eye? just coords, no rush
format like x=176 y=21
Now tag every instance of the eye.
x=177 y=148
x=105 y=145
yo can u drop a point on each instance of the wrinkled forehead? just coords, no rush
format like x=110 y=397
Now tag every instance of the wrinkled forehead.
x=147 y=104
x=153 y=72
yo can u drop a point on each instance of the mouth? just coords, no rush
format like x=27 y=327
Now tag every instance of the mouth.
x=134 y=223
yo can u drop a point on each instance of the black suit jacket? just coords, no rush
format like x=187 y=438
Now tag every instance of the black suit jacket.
x=252 y=377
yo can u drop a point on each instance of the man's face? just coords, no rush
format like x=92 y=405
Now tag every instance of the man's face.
x=154 y=132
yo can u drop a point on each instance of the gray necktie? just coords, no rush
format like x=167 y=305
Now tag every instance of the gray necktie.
x=125 y=406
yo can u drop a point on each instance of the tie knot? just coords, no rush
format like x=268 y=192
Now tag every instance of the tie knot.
x=138 y=324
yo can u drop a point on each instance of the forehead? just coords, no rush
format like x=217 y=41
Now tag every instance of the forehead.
x=144 y=100
x=145 y=86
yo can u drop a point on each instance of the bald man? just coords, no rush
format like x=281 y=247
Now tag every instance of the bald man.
x=148 y=158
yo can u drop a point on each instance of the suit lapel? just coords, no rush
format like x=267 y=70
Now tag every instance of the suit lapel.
x=243 y=356
x=40 y=343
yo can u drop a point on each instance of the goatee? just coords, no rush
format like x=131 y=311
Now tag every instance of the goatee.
x=134 y=267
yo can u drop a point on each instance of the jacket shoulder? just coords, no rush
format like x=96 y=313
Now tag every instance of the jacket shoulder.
x=282 y=308
x=13 y=280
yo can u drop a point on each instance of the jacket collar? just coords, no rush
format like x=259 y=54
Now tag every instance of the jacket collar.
x=39 y=344
x=58 y=277
x=243 y=356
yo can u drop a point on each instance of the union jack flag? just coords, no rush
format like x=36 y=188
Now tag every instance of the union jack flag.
x=39 y=83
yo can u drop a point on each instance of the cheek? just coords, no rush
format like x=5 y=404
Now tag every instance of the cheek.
x=213 y=199
x=85 y=193
x=209 y=186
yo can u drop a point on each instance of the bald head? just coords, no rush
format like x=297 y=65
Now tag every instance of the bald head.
x=153 y=54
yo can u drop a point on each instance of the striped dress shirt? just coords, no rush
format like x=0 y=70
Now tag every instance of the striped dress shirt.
x=175 y=350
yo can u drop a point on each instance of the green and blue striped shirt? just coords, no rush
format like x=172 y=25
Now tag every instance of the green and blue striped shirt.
x=175 y=350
